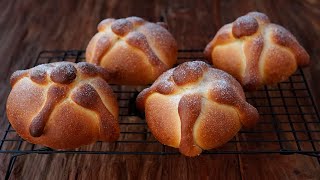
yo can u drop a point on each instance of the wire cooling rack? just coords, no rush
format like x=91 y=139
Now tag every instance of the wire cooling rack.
x=289 y=122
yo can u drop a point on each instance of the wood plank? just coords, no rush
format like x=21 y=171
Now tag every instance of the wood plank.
x=47 y=25
x=193 y=22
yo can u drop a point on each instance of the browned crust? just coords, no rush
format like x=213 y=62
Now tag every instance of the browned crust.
x=16 y=76
x=63 y=73
x=165 y=128
x=188 y=73
x=252 y=50
x=223 y=36
x=54 y=95
x=216 y=125
x=244 y=26
x=134 y=31
x=215 y=86
x=230 y=95
x=87 y=69
x=104 y=24
x=279 y=69
x=108 y=97
x=141 y=99
x=137 y=21
x=230 y=62
x=260 y=17
x=189 y=109
x=90 y=70
x=39 y=75
x=162 y=85
x=53 y=83
x=98 y=46
x=253 y=32
x=86 y=96
x=121 y=27
x=139 y=40
x=284 y=38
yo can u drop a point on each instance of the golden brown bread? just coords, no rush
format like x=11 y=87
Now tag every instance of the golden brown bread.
x=63 y=105
x=133 y=50
x=255 y=51
x=194 y=107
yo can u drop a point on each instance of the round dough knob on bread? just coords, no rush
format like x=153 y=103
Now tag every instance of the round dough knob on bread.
x=255 y=51
x=133 y=50
x=63 y=105
x=194 y=107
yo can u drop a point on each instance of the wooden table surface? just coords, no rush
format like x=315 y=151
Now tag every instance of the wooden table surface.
x=30 y=26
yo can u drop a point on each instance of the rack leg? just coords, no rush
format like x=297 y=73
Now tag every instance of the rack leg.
x=10 y=166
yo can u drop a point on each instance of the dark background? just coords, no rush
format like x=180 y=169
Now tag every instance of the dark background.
x=30 y=26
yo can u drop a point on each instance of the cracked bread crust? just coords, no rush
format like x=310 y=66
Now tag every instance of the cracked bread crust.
x=133 y=50
x=63 y=105
x=194 y=107
x=255 y=51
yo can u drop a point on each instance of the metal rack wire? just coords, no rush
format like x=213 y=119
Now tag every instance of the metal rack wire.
x=289 y=121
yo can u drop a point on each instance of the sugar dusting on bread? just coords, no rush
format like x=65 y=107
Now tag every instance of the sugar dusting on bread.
x=45 y=88
x=256 y=34
x=193 y=79
x=141 y=42
x=244 y=26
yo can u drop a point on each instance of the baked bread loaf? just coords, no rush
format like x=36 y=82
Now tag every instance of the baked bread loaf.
x=63 y=105
x=194 y=107
x=133 y=50
x=255 y=51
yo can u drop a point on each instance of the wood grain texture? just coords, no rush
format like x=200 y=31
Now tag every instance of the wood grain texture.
x=28 y=27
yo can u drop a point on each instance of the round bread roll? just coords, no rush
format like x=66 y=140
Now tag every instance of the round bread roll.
x=133 y=50
x=255 y=51
x=194 y=107
x=63 y=105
